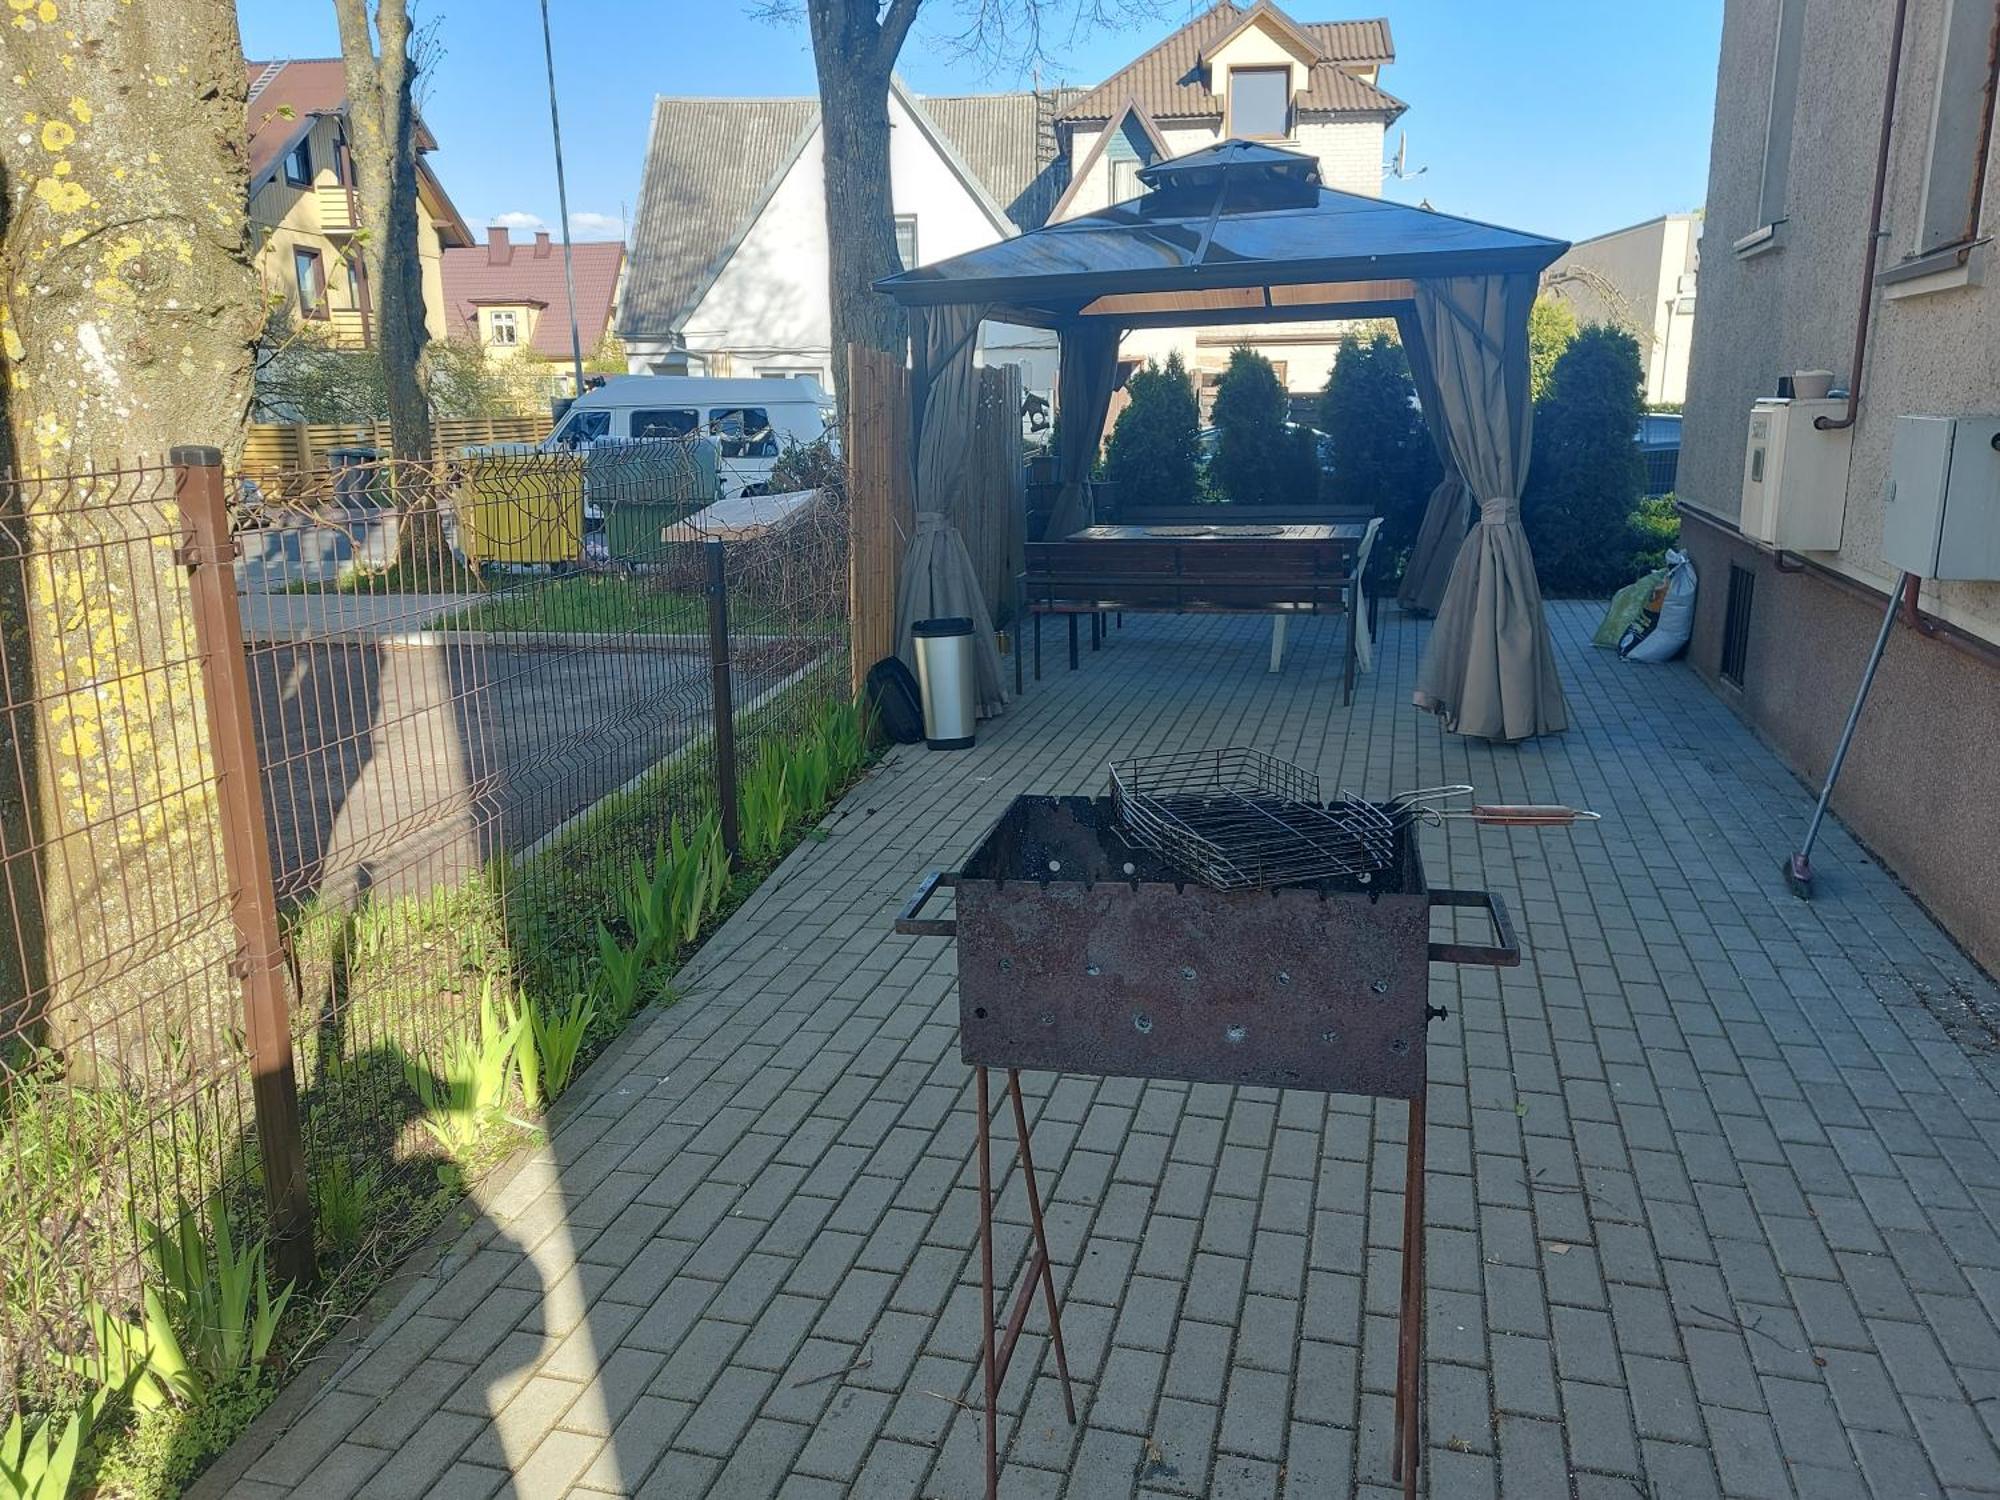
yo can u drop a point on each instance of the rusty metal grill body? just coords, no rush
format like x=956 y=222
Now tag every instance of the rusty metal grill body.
x=1086 y=969
x=1080 y=952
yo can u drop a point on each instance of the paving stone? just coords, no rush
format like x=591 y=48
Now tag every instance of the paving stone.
x=422 y=1458
x=1663 y=1399
x=1757 y=1151
x=1599 y=1423
x=1253 y=1418
x=840 y=1439
x=1524 y=1378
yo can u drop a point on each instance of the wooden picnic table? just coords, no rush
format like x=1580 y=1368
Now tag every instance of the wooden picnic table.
x=1279 y=569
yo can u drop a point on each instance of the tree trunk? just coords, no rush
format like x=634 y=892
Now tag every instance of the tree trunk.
x=381 y=131
x=860 y=214
x=854 y=54
x=128 y=306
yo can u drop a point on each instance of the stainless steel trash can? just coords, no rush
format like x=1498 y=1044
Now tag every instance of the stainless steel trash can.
x=945 y=676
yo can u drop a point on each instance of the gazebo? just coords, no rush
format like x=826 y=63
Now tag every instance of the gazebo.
x=1245 y=233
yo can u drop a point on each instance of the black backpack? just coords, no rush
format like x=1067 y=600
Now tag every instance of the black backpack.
x=892 y=695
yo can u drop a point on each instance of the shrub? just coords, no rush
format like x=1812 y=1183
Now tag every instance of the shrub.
x=1383 y=458
x=809 y=466
x=1586 y=476
x=1656 y=526
x=1551 y=327
x=1258 y=461
x=1154 y=447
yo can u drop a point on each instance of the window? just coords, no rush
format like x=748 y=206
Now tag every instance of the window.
x=1124 y=179
x=582 y=428
x=743 y=432
x=1260 y=101
x=1778 y=122
x=1961 y=126
x=906 y=240
x=299 y=164
x=676 y=422
x=312 y=282
x=501 y=327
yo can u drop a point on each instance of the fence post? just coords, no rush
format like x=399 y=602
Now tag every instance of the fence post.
x=208 y=553
x=725 y=714
x=876 y=405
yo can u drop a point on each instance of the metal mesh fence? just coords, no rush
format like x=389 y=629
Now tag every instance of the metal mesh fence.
x=474 y=691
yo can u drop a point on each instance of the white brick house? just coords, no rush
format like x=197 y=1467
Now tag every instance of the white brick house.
x=1251 y=72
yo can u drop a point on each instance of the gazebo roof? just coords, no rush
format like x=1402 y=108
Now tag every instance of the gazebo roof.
x=1240 y=232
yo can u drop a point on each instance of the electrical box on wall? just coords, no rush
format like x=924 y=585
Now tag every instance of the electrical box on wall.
x=1795 y=475
x=1941 y=511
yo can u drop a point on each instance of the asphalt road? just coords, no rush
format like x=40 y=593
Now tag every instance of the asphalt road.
x=398 y=766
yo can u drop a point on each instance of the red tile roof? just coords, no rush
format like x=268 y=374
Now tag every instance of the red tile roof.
x=287 y=95
x=284 y=97
x=1168 y=81
x=502 y=271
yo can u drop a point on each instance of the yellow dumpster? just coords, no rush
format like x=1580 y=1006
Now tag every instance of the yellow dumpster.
x=523 y=507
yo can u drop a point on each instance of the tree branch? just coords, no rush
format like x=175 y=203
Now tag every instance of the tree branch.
x=895 y=25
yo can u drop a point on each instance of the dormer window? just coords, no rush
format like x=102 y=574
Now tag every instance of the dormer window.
x=1260 y=103
x=299 y=164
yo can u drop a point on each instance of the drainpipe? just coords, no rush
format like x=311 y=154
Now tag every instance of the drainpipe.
x=1862 y=318
x=1912 y=616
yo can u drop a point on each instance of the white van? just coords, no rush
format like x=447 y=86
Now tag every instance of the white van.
x=750 y=422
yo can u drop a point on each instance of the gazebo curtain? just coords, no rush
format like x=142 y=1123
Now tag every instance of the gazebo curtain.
x=939 y=580
x=1444 y=525
x=1489 y=669
x=1087 y=372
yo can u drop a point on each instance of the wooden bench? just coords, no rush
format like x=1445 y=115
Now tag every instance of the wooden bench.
x=1305 y=573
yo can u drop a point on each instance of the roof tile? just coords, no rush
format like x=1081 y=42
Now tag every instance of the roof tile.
x=471 y=278
x=1168 y=84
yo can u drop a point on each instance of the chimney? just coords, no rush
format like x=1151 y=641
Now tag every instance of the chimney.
x=541 y=244
x=498 y=251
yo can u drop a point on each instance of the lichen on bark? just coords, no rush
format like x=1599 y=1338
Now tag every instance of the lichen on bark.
x=127 y=309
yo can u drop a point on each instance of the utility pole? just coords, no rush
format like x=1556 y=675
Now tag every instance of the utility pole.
x=562 y=204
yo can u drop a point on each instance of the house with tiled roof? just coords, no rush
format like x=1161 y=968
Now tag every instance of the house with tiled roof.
x=303 y=213
x=1249 y=72
x=728 y=270
x=512 y=299
x=728 y=265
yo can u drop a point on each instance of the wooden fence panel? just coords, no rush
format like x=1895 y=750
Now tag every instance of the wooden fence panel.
x=273 y=448
x=881 y=511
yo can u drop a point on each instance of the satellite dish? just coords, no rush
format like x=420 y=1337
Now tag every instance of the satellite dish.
x=1400 y=168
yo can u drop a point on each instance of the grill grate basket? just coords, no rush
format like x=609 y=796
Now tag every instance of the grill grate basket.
x=1235 y=817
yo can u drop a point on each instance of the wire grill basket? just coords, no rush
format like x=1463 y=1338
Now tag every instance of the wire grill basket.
x=1235 y=817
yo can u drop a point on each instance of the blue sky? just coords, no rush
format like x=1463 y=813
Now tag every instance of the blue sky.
x=1565 y=117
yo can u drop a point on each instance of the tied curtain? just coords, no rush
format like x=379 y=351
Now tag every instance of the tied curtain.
x=1087 y=370
x=1443 y=527
x=1489 y=669
x=939 y=580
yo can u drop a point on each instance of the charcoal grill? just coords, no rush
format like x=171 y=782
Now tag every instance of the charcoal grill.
x=1080 y=951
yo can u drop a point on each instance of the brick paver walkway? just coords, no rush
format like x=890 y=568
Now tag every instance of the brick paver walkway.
x=1713 y=1193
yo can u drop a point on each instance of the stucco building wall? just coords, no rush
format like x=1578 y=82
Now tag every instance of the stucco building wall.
x=1922 y=785
x=1641 y=279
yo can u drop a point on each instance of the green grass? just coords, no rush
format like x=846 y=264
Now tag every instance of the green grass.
x=398 y=578
x=396 y=981
x=607 y=603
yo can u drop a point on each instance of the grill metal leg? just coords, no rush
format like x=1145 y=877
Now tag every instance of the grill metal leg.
x=1072 y=641
x=1038 y=645
x=997 y=1354
x=1410 y=1316
x=986 y=1290
x=1048 y=1277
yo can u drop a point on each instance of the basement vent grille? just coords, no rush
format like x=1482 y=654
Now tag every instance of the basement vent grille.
x=1736 y=623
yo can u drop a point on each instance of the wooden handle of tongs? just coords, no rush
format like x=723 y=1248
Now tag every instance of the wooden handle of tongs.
x=1526 y=815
